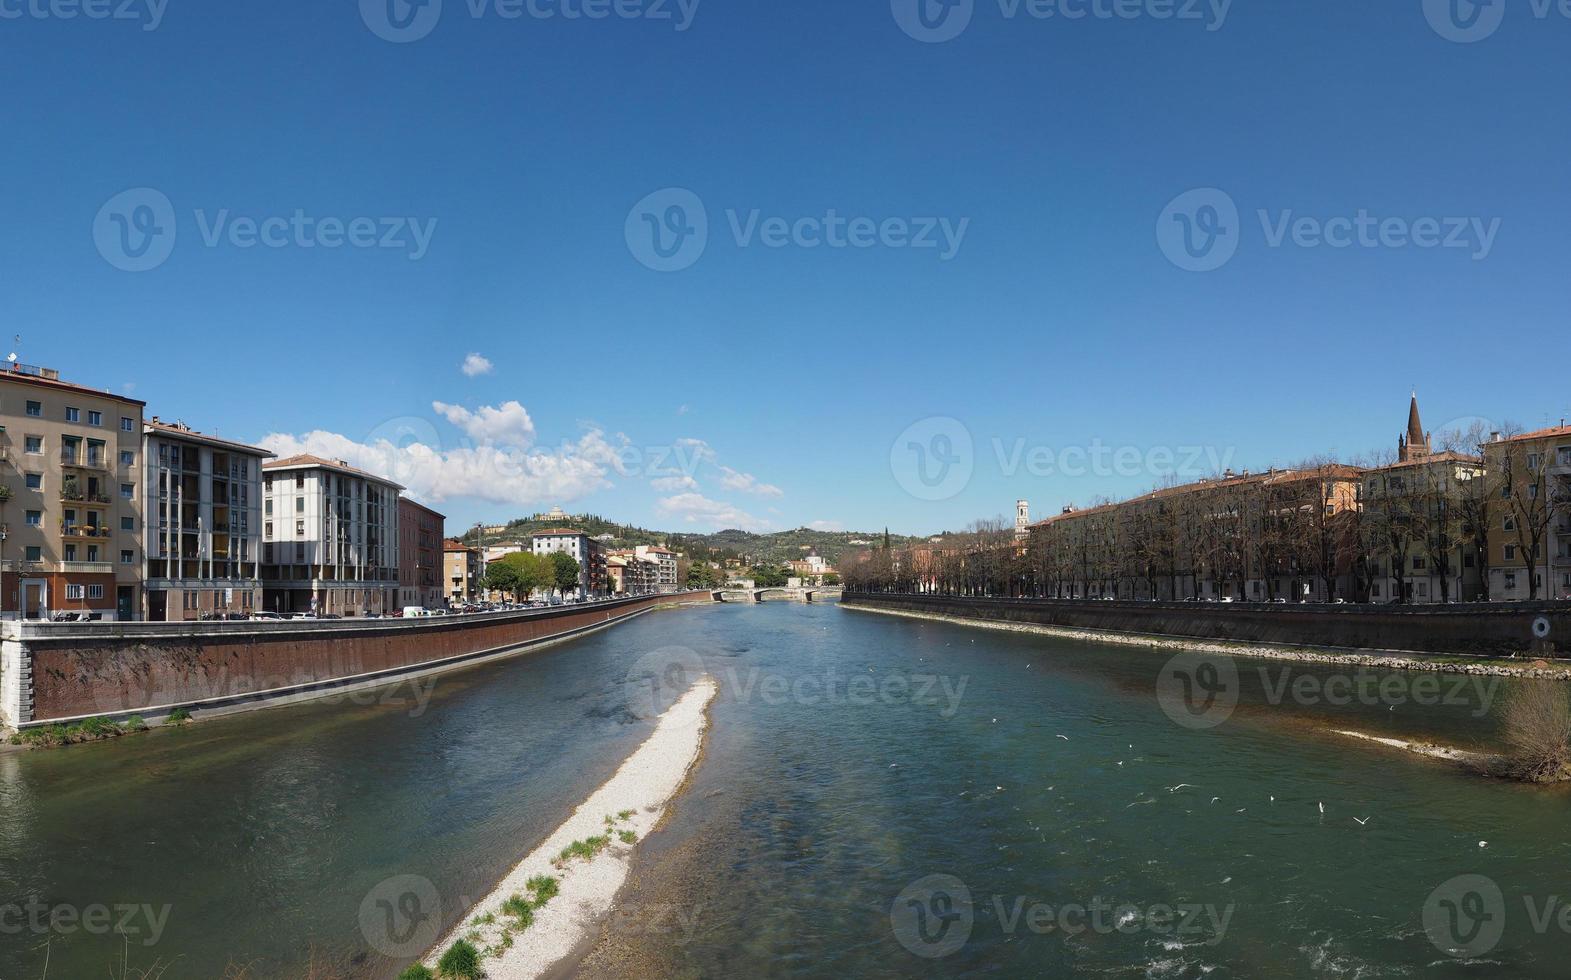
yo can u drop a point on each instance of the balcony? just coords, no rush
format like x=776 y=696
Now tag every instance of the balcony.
x=27 y=567
x=87 y=568
x=84 y=460
x=73 y=495
x=84 y=531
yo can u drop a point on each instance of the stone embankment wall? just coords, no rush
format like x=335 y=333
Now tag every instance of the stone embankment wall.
x=1472 y=629
x=60 y=672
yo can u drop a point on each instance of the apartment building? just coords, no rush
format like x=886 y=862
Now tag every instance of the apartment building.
x=70 y=463
x=665 y=562
x=1280 y=534
x=463 y=571
x=329 y=538
x=1530 y=521
x=201 y=523
x=421 y=532
x=589 y=554
x=629 y=574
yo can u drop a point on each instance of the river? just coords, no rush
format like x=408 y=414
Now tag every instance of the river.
x=879 y=796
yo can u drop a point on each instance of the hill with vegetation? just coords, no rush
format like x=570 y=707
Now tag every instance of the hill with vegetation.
x=748 y=547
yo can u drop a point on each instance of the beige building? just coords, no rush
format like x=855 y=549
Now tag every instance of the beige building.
x=1530 y=523
x=201 y=523
x=70 y=459
x=462 y=571
x=329 y=538
x=1414 y=517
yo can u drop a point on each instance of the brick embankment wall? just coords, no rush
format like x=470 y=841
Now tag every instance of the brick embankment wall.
x=1473 y=629
x=56 y=672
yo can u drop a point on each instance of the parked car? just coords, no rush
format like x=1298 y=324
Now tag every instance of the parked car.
x=414 y=612
x=267 y=616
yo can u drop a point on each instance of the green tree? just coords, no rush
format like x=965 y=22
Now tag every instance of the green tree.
x=701 y=576
x=770 y=577
x=564 y=571
x=502 y=576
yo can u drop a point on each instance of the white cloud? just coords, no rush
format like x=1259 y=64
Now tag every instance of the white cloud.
x=512 y=476
x=476 y=364
x=507 y=425
x=747 y=483
x=827 y=526
x=695 y=450
x=717 y=514
x=667 y=484
x=683 y=409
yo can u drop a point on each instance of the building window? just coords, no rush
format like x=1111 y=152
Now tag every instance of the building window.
x=267 y=507
x=1510 y=552
x=35 y=409
x=95 y=418
x=127 y=458
x=127 y=557
x=1533 y=459
x=73 y=414
x=299 y=505
x=300 y=529
x=1511 y=581
x=33 y=552
x=1374 y=590
x=1419 y=564
x=1423 y=590
x=34 y=445
x=35 y=481
x=35 y=518
x=95 y=591
x=127 y=424
x=128 y=524
x=1510 y=524
x=267 y=529
x=73 y=592
x=127 y=490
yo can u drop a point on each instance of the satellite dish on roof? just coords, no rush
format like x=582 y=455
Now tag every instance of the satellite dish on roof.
x=11 y=357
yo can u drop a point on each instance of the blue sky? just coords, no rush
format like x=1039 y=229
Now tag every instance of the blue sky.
x=769 y=387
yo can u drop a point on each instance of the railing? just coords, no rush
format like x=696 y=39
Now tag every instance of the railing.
x=84 y=531
x=87 y=567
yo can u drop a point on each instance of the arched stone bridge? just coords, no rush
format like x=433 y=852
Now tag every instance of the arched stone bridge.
x=810 y=593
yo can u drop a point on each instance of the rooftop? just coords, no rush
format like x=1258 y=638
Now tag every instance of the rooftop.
x=183 y=431
x=307 y=461
x=42 y=377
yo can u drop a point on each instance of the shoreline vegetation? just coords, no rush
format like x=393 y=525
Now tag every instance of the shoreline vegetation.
x=543 y=910
x=1391 y=660
x=1536 y=728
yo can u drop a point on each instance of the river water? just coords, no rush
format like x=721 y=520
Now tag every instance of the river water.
x=879 y=796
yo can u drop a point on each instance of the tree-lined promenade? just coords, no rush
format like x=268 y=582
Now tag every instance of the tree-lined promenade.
x=1487 y=517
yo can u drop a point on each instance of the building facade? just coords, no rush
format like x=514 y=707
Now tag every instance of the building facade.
x=329 y=538
x=1530 y=521
x=421 y=532
x=201 y=523
x=462 y=572
x=589 y=553
x=665 y=566
x=70 y=458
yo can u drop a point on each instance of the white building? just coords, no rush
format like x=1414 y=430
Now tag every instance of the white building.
x=201 y=523
x=665 y=560
x=329 y=538
x=581 y=548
